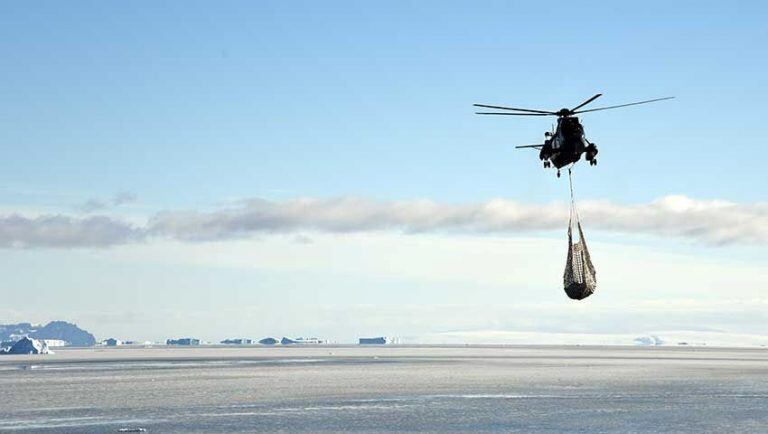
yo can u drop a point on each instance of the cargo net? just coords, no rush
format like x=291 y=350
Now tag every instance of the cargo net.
x=579 y=279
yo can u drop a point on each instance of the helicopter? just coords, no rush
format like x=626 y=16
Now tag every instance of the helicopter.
x=565 y=144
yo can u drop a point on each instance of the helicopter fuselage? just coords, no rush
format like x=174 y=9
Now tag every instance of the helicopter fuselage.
x=566 y=145
x=567 y=142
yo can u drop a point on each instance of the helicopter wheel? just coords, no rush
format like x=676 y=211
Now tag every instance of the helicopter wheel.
x=558 y=173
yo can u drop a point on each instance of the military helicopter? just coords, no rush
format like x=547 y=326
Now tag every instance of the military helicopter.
x=565 y=144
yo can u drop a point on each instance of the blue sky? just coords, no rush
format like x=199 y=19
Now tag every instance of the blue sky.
x=333 y=99
x=194 y=105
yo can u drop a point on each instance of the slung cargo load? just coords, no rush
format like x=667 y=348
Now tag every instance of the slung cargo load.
x=579 y=278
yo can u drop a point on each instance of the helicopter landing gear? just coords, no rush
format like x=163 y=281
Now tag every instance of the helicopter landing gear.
x=591 y=152
x=547 y=164
x=558 y=173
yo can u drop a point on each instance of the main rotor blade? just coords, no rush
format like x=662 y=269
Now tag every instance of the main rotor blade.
x=586 y=102
x=515 y=114
x=513 y=108
x=529 y=146
x=624 y=105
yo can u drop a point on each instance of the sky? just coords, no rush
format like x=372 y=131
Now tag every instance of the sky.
x=315 y=168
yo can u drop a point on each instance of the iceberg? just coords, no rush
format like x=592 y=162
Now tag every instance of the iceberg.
x=27 y=345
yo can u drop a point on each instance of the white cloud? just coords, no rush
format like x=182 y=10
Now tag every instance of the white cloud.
x=123 y=198
x=119 y=199
x=92 y=205
x=707 y=221
x=713 y=221
x=64 y=231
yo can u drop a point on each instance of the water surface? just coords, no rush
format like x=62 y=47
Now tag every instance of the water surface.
x=380 y=389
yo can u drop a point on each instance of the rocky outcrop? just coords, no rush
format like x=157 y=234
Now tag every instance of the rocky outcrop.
x=65 y=331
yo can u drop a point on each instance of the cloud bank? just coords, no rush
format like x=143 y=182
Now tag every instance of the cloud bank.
x=713 y=222
x=707 y=221
x=18 y=231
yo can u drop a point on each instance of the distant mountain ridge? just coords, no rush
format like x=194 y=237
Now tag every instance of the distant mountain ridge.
x=60 y=330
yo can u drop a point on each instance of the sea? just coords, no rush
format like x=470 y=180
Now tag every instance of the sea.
x=386 y=389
